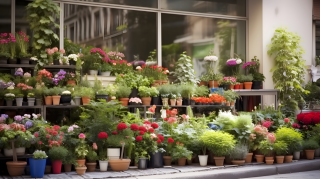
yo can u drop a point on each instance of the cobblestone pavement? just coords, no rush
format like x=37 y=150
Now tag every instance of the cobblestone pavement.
x=300 y=175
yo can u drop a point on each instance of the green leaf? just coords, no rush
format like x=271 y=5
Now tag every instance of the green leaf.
x=40 y=41
x=33 y=15
x=43 y=55
x=36 y=35
x=56 y=36
x=48 y=31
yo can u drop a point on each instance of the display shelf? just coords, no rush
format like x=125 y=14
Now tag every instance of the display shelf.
x=17 y=66
x=20 y=107
x=61 y=106
x=59 y=66
x=2 y=157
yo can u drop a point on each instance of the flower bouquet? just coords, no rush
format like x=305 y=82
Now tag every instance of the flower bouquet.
x=135 y=101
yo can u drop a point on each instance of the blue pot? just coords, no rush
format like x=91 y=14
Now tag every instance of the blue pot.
x=37 y=167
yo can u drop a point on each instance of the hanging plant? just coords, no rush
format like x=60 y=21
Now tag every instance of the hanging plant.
x=289 y=69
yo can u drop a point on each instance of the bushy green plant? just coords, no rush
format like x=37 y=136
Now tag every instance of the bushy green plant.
x=57 y=153
x=230 y=95
x=310 y=145
x=92 y=156
x=38 y=154
x=56 y=91
x=219 y=142
x=280 y=148
x=240 y=78
x=258 y=77
x=86 y=92
x=266 y=147
x=164 y=89
x=112 y=89
x=48 y=92
x=70 y=158
x=204 y=77
x=154 y=92
x=106 y=67
x=38 y=93
x=239 y=152
x=123 y=92
x=242 y=127
x=247 y=78
x=19 y=95
x=201 y=91
x=30 y=95
x=144 y=91
x=179 y=151
x=291 y=137
x=187 y=90
x=184 y=70
x=225 y=120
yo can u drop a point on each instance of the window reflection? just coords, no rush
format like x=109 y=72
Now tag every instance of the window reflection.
x=5 y=16
x=143 y=3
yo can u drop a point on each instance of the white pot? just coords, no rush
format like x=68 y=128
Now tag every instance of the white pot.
x=317 y=152
x=106 y=73
x=31 y=101
x=103 y=166
x=93 y=72
x=296 y=155
x=77 y=100
x=19 y=101
x=203 y=159
x=19 y=151
x=151 y=63
x=113 y=153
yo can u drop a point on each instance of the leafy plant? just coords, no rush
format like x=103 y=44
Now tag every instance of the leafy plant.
x=56 y=91
x=266 y=147
x=48 y=92
x=247 y=78
x=280 y=148
x=57 y=153
x=92 y=156
x=179 y=151
x=310 y=145
x=184 y=70
x=187 y=90
x=70 y=158
x=204 y=77
x=230 y=95
x=201 y=91
x=240 y=78
x=86 y=92
x=106 y=67
x=145 y=91
x=242 y=128
x=123 y=92
x=38 y=154
x=291 y=137
x=258 y=77
x=239 y=152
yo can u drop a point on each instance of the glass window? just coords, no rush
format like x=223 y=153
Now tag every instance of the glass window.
x=317 y=38
x=5 y=16
x=197 y=36
x=130 y=32
x=142 y=3
x=224 y=7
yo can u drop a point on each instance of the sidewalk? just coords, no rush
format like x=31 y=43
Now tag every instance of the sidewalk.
x=195 y=171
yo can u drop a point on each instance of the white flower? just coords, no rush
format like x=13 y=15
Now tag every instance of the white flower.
x=138 y=68
x=239 y=61
x=66 y=92
x=153 y=135
x=27 y=116
x=73 y=57
x=9 y=95
x=11 y=87
x=34 y=58
x=75 y=126
x=34 y=116
x=167 y=71
x=211 y=58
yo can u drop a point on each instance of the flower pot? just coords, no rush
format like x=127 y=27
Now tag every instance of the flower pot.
x=72 y=62
x=38 y=102
x=167 y=160
x=77 y=101
x=81 y=161
x=259 y=158
x=204 y=83
x=232 y=103
x=165 y=101
x=24 y=60
x=142 y=164
x=65 y=99
x=9 y=102
x=56 y=62
x=146 y=100
x=103 y=165
x=81 y=170
x=241 y=85
x=48 y=169
x=269 y=160
x=249 y=158
x=19 y=101
x=33 y=62
x=225 y=87
x=182 y=161
x=296 y=155
x=237 y=86
x=3 y=60
x=119 y=165
x=219 y=161
x=211 y=84
x=113 y=153
x=173 y=102
x=56 y=100
x=85 y=100
x=31 y=101
x=310 y=154
x=93 y=72
x=48 y=100
x=238 y=162
x=280 y=159
x=231 y=87
x=106 y=73
x=134 y=93
x=37 y=167
x=134 y=104
x=216 y=84
x=67 y=167
x=13 y=61
x=124 y=101
x=288 y=159
x=1 y=102
x=91 y=167
x=16 y=168
x=203 y=160
x=179 y=102
x=71 y=82
x=101 y=96
x=19 y=151
x=56 y=166
x=247 y=85
x=156 y=160
x=227 y=103
x=155 y=100
x=189 y=162
x=317 y=152
x=257 y=85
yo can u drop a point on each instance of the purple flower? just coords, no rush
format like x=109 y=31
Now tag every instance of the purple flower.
x=231 y=63
x=2 y=119
x=18 y=118
x=19 y=72
x=4 y=115
x=28 y=124
x=139 y=63
x=3 y=85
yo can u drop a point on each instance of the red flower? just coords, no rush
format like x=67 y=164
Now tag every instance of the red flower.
x=141 y=128
x=181 y=144
x=56 y=127
x=286 y=120
x=170 y=140
x=307 y=119
x=139 y=138
x=160 y=137
x=178 y=143
x=54 y=133
x=40 y=142
x=146 y=122
x=143 y=66
x=158 y=141
x=154 y=125
x=134 y=127
x=61 y=133
x=141 y=133
x=36 y=134
x=295 y=125
x=316 y=119
x=122 y=126
x=300 y=116
x=151 y=130
x=114 y=132
x=267 y=124
x=165 y=119
x=102 y=135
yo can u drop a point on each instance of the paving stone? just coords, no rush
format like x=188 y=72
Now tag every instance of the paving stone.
x=215 y=167
x=74 y=175
x=191 y=168
x=58 y=176
x=108 y=174
x=230 y=166
x=135 y=172
x=167 y=170
x=151 y=171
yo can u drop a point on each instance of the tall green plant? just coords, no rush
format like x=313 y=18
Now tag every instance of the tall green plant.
x=289 y=69
x=41 y=14
x=184 y=70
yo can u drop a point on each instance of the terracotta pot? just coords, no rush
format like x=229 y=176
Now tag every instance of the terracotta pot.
x=249 y=158
x=167 y=160
x=280 y=159
x=231 y=87
x=259 y=158
x=238 y=162
x=56 y=100
x=203 y=83
x=269 y=160
x=48 y=100
x=310 y=154
x=16 y=168
x=211 y=84
x=81 y=161
x=189 y=162
x=119 y=165
x=165 y=101
x=182 y=161
x=173 y=102
x=241 y=86
x=155 y=84
x=215 y=84
x=71 y=82
x=237 y=86
x=164 y=81
x=247 y=85
x=67 y=167
x=124 y=101
x=91 y=167
x=179 y=102
x=81 y=170
x=227 y=103
x=219 y=160
x=232 y=103
x=56 y=166
x=85 y=100
x=146 y=100
x=288 y=158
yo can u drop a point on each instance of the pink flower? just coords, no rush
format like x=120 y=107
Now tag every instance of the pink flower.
x=40 y=142
x=114 y=63
x=55 y=49
x=186 y=117
x=50 y=52
x=296 y=126
x=62 y=51
x=267 y=124
x=129 y=64
x=172 y=120
x=82 y=136
x=94 y=146
x=286 y=120
x=271 y=137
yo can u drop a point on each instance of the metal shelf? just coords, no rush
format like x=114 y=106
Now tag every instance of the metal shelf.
x=17 y=65
x=61 y=106
x=59 y=66
x=20 y=107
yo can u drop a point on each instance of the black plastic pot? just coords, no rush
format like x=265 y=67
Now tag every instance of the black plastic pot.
x=65 y=99
x=186 y=101
x=101 y=96
x=134 y=104
x=257 y=85
x=155 y=100
x=13 y=61
x=56 y=62
x=33 y=62
x=134 y=93
x=3 y=60
x=192 y=102
x=156 y=160
x=72 y=62
x=225 y=87
x=142 y=163
x=24 y=60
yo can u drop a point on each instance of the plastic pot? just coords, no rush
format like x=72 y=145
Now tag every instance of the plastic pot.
x=219 y=161
x=38 y=102
x=225 y=87
x=106 y=73
x=3 y=60
x=203 y=159
x=31 y=101
x=237 y=86
x=85 y=100
x=93 y=72
x=156 y=160
x=19 y=151
x=37 y=167
x=124 y=101
x=56 y=100
x=72 y=62
x=296 y=155
x=56 y=166
x=256 y=84
x=113 y=153
x=155 y=100
x=33 y=62
x=142 y=164
x=182 y=161
x=48 y=100
x=9 y=102
x=56 y=62
x=24 y=60
x=77 y=101
x=101 y=96
x=65 y=99
x=13 y=61
x=103 y=166
x=134 y=93
x=19 y=101
x=167 y=160
x=146 y=100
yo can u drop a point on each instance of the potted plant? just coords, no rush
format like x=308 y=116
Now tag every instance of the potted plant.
x=258 y=78
x=80 y=169
x=184 y=70
x=228 y=83
x=247 y=81
x=56 y=95
x=310 y=146
x=76 y=94
x=81 y=150
x=204 y=80
x=12 y=49
x=9 y=97
x=145 y=94
x=240 y=80
x=68 y=161
x=238 y=154
x=48 y=92
x=230 y=96
x=73 y=58
x=57 y=154
x=19 y=99
x=38 y=94
x=103 y=94
x=173 y=99
x=187 y=91
x=106 y=69
x=33 y=60
x=31 y=99
x=65 y=97
x=167 y=159
x=4 y=48
x=215 y=80
x=92 y=158
x=23 y=46
x=103 y=155
x=123 y=94
x=280 y=148
x=213 y=140
x=181 y=154
x=155 y=99
x=71 y=78
x=179 y=99
x=165 y=99
x=38 y=164
x=86 y=94
x=152 y=58
x=266 y=148
x=135 y=101
x=203 y=159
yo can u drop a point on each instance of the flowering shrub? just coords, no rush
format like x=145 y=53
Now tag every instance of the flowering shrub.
x=201 y=100
x=24 y=86
x=306 y=119
x=121 y=67
x=122 y=126
x=217 y=98
x=229 y=80
x=103 y=55
x=154 y=71
x=115 y=55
